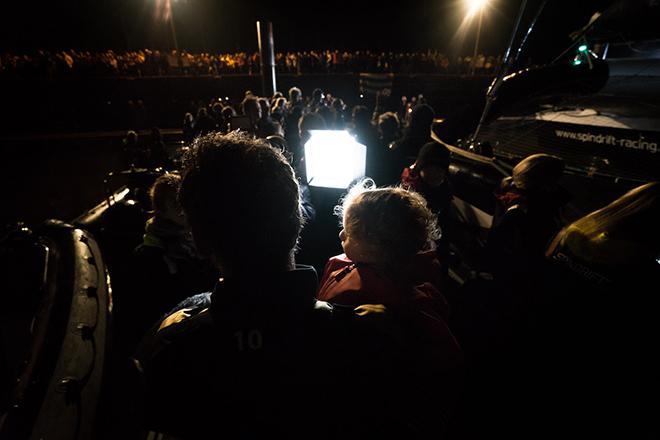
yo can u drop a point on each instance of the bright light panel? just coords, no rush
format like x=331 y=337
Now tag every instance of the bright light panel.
x=334 y=159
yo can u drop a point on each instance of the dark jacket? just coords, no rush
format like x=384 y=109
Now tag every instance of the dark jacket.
x=166 y=268
x=589 y=350
x=523 y=226
x=266 y=359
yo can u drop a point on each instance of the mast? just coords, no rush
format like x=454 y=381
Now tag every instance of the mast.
x=504 y=69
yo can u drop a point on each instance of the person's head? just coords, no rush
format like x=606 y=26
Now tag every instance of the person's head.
x=421 y=119
x=216 y=109
x=276 y=96
x=241 y=199
x=295 y=95
x=279 y=111
x=202 y=112
x=228 y=112
x=538 y=172
x=317 y=95
x=338 y=105
x=280 y=104
x=432 y=163
x=626 y=230
x=265 y=107
x=384 y=226
x=328 y=114
x=163 y=195
x=388 y=125
x=361 y=116
x=251 y=108
x=131 y=138
x=310 y=121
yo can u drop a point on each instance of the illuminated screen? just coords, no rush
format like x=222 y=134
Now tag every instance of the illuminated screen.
x=334 y=159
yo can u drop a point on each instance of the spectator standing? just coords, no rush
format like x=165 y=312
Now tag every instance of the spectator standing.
x=260 y=335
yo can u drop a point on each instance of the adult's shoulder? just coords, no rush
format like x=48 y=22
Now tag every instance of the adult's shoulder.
x=364 y=330
x=175 y=336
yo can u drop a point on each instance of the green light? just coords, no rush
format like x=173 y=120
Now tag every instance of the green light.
x=577 y=62
x=583 y=48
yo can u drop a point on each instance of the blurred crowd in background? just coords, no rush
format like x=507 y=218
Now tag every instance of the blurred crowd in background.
x=148 y=62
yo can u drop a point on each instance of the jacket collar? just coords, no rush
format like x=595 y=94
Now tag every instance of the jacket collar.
x=278 y=290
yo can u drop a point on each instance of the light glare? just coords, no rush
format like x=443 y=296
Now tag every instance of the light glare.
x=334 y=159
x=475 y=6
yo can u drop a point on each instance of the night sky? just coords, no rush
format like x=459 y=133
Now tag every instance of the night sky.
x=229 y=25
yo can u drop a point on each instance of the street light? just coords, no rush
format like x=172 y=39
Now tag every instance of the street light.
x=476 y=7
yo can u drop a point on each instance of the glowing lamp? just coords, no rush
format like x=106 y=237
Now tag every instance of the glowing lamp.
x=475 y=6
x=582 y=48
x=334 y=159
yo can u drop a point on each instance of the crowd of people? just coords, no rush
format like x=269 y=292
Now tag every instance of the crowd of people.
x=403 y=121
x=386 y=343
x=147 y=62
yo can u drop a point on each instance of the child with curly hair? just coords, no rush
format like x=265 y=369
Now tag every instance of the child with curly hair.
x=390 y=262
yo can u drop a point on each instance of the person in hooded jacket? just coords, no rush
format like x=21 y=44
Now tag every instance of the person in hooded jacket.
x=167 y=265
x=388 y=238
x=528 y=214
x=429 y=176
